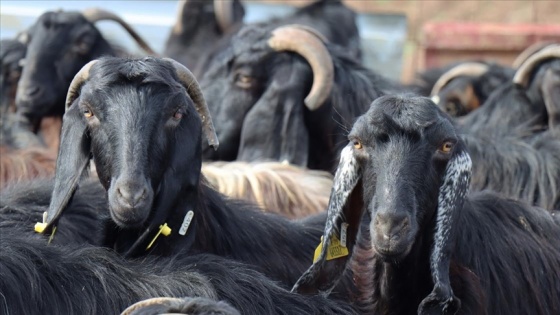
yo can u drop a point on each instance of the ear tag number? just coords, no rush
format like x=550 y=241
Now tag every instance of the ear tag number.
x=186 y=223
x=343 y=234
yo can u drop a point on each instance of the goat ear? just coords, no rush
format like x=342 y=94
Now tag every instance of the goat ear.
x=345 y=206
x=72 y=162
x=274 y=129
x=451 y=198
x=551 y=95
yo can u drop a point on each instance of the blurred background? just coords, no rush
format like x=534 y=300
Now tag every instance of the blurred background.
x=399 y=37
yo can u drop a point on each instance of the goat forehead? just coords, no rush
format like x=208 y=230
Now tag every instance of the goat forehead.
x=404 y=114
x=62 y=18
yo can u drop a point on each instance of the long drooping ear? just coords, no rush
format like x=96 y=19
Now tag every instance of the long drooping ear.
x=451 y=198
x=72 y=161
x=74 y=150
x=274 y=128
x=344 y=214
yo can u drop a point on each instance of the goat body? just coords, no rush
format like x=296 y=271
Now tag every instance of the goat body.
x=407 y=171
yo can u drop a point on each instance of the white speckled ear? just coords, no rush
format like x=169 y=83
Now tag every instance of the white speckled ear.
x=347 y=176
x=450 y=201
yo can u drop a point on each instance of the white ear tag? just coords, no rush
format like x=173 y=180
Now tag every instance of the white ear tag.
x=343 y=232
x=186 y=222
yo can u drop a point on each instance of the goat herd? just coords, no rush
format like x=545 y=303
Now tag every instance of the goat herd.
x=441 y=205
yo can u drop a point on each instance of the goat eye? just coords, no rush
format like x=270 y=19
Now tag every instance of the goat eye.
x=177 y=115
x=88 y=113
x=357 y=144
x=446 y=147
x=243 y=81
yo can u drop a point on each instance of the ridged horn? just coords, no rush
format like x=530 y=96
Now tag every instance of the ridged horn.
x=524 y=71
x=299 y=39
x=95 y=14
x=224 y=14
x=191 y=85
x=77 y=82
x=529 y=51
x=473 y=69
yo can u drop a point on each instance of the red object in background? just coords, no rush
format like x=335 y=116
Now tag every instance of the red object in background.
x=445 y=42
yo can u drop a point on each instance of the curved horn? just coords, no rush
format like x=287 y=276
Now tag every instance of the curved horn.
x=300 y=40
x=160 y=301
x=77 y=82
x=524 y=72
x=191 y=85
x=224 y=14
x=178 y=27
x=473 y=69
x=94 y=15
x=528 y=52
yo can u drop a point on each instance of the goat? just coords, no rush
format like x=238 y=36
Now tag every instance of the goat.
x=407 y=169
x=12 y=53
x=257 y=88
x=62 y=43
x=529 y=100
x=91 y=280
x=277 y=187
x=198 y=26
x=526 y=169
x=111 y=102
x=466 y=86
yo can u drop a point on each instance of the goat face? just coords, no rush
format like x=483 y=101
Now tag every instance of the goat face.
x=414 y=176
x=408 y=144
x=253 y=85
x=142 y=130
x=61 y=45
x=12 y=52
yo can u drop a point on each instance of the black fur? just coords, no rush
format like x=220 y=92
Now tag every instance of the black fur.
x=266 y=119
x=139 y=146
x=504 y=255
x=39 y=279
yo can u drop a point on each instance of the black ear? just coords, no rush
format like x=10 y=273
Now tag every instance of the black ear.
x=551 y=95
x=344 y=214
x=274 y=129
x=452 y=194
x=73 y=157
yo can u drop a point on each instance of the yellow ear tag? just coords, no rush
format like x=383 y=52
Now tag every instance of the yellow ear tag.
x=40 y=226
x=163 y=229
x=335 y=250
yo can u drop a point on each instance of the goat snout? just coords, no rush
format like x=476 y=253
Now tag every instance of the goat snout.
x=130 y=201
x=391 y=234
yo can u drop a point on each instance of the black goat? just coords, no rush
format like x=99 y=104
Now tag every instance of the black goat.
x=285 y=95
x=62 y=43
x=466 y=86
x=12 y=53
x=526 y=169
x=199 y=25
x=530 y=100
x=35 y=278
x=143 y=112
x=407 y=169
